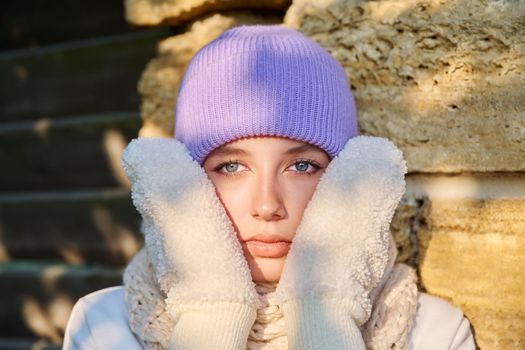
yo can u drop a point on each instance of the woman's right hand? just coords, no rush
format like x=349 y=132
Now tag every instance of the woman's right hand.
x=190 y=240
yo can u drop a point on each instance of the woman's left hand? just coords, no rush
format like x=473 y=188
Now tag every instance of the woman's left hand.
x=340 y=250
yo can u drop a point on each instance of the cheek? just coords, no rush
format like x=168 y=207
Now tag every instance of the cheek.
x=298 y=195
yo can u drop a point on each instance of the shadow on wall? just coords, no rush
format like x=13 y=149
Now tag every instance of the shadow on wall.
x=41 y=296
x=97 y=231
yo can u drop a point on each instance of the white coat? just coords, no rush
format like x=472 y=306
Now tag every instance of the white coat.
x=100 y=321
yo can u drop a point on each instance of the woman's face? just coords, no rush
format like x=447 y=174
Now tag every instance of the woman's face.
x=265 y=184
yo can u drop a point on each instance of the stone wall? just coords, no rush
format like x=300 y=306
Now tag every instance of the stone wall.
x=444 y=80
x=175 y=12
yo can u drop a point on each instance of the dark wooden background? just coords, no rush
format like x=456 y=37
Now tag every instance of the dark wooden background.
x=68 y=106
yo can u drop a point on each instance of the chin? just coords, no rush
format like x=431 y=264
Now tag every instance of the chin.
x=267 y=270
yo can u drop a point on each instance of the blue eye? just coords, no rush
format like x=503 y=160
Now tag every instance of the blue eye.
x=231 y=167
x=301 y=166
x=228 y=168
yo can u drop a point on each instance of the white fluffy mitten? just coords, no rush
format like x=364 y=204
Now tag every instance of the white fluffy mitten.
x=338 y=256
x=191 y=242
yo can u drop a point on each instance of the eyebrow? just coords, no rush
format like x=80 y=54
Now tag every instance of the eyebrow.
x=232 y=151
x=301 y=149
x=228 y=151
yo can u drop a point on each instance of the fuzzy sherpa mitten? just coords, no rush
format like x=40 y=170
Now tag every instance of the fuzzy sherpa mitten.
x=197 y=259
x=340 y=250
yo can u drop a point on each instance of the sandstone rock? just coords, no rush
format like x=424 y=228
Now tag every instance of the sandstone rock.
x=160 y=80
x=407 y=220
x=154 y=12
x=443 y=79
x=475 y=259
x=471 y=251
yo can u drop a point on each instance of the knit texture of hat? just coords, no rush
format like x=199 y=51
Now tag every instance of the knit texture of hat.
x=263 y=80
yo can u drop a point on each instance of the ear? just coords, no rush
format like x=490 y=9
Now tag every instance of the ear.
x=350 y=212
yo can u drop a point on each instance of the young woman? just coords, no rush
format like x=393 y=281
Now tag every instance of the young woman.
x=266 y=218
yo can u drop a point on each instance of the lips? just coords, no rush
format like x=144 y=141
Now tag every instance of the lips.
x=268 y=238
x=267 y=246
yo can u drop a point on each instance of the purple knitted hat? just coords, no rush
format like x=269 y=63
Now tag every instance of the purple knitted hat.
x=263 y=80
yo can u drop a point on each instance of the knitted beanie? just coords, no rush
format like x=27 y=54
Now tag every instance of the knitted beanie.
x=263 y=80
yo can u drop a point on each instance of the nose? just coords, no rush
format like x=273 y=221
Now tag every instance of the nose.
x=267 y=199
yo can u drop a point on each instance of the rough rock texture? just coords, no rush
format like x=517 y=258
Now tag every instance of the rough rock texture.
x=160 y=80
x=471 y=246
x=474 y=257
x=407 y=221
x=421 y=70
x=154 y=12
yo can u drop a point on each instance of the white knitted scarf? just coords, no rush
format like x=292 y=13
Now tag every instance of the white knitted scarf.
x=395 y=302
